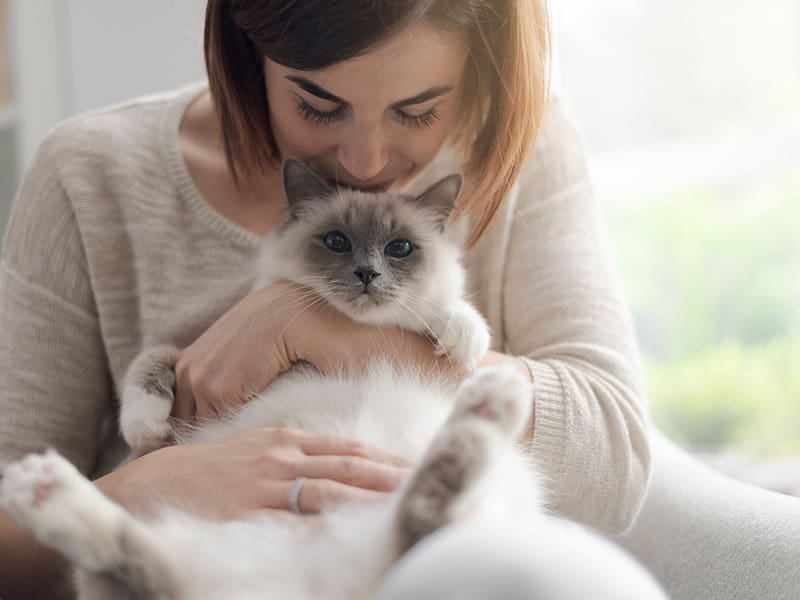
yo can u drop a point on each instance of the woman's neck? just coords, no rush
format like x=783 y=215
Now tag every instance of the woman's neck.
x=258 y=204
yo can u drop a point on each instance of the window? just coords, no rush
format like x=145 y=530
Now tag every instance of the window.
x=690 y=111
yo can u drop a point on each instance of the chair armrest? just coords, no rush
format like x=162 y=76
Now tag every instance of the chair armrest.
x=706 y=536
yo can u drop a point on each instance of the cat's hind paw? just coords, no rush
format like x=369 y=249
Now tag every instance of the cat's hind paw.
x=46 y=495
x=500 y=395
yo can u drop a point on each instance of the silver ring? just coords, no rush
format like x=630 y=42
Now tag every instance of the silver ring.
x=294 y=495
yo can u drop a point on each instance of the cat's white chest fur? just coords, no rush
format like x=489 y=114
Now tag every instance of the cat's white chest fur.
x=397 y=411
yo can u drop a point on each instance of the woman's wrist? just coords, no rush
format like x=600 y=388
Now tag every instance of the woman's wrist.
x=129 y=485
x=493 y=358
x=328 y=339
x=114 y=485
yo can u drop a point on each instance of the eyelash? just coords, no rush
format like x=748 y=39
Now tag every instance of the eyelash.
x=310 y=113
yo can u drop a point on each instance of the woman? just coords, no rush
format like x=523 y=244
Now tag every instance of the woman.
x=140 y=223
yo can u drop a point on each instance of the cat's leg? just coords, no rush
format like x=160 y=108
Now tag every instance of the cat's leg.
x=462 y=334
x=147 y=396
x=492 y=408
x=46 y=495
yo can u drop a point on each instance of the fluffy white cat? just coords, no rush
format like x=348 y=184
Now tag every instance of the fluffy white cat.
x=379 y=258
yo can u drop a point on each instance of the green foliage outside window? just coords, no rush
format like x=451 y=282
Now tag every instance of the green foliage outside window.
x=713 y=276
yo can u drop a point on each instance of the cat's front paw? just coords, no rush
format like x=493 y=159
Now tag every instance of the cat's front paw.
x=144 y=420
x=500 y=395
x=46 y=495
x=463 y=336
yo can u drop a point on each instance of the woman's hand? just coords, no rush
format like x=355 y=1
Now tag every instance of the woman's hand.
x=269 y=330
x=242 y=352
x=253 y=470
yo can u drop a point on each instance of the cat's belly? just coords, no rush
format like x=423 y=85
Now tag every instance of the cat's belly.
x=392 y=408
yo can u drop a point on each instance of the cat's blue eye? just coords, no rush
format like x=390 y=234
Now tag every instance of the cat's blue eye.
x=336 y=241
x=398 y=248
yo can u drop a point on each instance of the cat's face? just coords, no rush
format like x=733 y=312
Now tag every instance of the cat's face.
x=369 y=254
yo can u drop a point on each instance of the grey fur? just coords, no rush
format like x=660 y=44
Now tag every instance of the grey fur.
x=369 y=229
x=440 y=198
x=302 y=186
x=154 y=371
x=452 y=465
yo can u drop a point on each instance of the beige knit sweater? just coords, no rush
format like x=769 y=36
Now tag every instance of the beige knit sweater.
x=110 y=245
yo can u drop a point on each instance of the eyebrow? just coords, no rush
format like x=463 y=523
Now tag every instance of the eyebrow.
x=313 y=89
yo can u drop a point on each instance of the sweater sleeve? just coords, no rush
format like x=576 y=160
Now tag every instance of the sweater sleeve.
x=565 y=313
x=54 y=385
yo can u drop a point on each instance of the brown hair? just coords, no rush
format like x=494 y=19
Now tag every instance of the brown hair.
x=505 y=83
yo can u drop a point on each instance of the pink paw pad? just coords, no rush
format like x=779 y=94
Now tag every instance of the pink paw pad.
x=489 y=410
x=43 y=491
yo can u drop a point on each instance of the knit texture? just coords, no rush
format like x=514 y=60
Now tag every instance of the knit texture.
x=111 y=247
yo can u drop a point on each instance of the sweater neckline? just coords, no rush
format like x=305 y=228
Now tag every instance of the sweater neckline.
x=182 y=179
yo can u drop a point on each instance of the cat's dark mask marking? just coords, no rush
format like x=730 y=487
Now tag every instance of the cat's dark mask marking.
x=359 y=274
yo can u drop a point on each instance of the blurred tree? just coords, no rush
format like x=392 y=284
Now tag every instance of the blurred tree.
x=713 y=276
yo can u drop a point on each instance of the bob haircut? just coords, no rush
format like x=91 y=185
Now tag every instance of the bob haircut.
x=505 y=85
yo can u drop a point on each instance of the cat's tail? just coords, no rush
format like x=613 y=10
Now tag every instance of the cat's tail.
x=147 y=395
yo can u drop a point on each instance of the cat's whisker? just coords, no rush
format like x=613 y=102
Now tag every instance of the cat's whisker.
x=411 y=311
x=296 y=316
x=443 y=320
x=300 y=301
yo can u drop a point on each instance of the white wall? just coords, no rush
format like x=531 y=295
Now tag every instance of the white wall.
x=123 y=48
x=69 y=56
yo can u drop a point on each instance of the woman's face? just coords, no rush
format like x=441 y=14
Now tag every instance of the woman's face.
x=376 y=120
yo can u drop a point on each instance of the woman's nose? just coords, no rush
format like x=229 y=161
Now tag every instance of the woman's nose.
x=363 y=154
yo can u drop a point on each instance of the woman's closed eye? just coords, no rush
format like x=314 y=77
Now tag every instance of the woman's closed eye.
x=425 y=119
x=322 y=117
x=319 y=116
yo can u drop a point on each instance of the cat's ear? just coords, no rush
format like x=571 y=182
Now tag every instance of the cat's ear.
x=302 y=185
x=440 y=199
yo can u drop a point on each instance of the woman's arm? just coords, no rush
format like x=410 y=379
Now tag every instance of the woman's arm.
x=565 y=311
x=28 y=569
x=54 y=382
x=274 y=327
x=249 y=471
x=56 y=389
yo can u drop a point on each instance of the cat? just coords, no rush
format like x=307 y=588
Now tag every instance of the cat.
x=383 y=258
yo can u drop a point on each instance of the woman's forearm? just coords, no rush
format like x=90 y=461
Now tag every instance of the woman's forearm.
x=367 y=342
x=29 y=570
